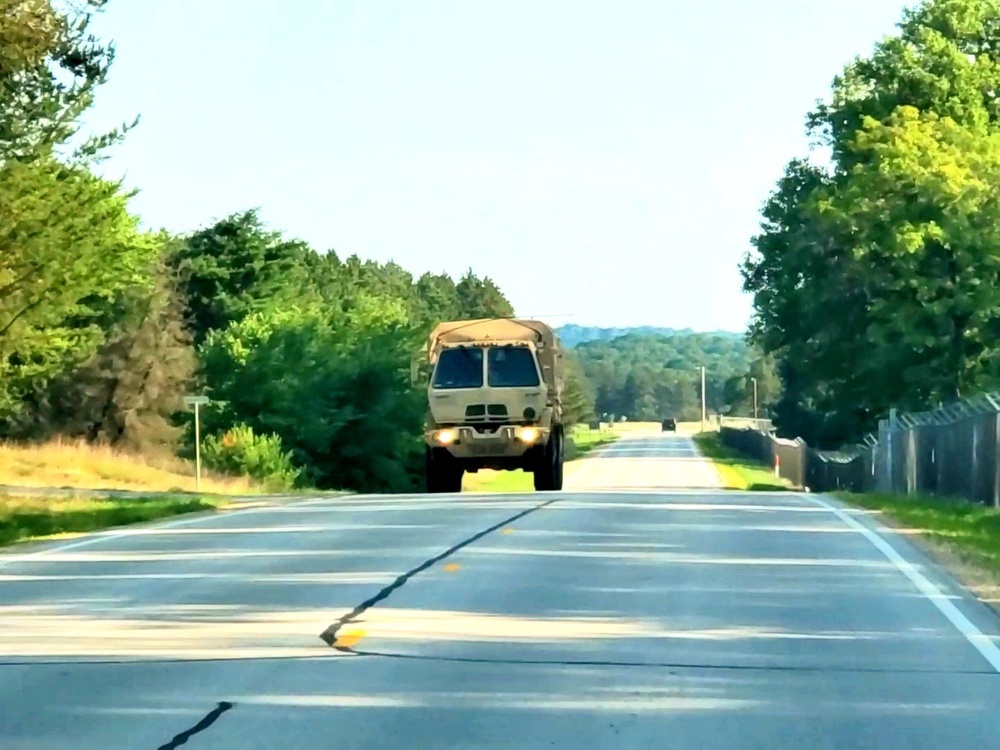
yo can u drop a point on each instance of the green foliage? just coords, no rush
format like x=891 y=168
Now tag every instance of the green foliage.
x=128 y=392
x=231 y=268
x=579 y=397
x=51 y=65
x=650 y=376
x=481 y=298
x=876 y=281
x=68 y=247
x=334 y=386
x=761 y=381
x=239 y=451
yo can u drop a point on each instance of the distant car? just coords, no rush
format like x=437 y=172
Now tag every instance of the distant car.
x=669 y=425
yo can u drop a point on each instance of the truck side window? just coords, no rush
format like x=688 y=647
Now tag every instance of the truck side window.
x=511 y=367
x=459 y=368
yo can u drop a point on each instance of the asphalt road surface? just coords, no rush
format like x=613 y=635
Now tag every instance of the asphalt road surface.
x=656 y=461
x=580 y=619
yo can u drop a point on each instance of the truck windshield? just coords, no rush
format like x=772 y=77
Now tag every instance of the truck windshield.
x=512 y=367
x=459 y=368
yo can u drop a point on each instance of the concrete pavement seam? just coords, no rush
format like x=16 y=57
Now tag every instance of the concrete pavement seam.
x=666 y=665
x=329 y=636
x=356 y=653
x=983 y=644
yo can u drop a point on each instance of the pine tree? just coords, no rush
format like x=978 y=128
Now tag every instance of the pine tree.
x=127 y=392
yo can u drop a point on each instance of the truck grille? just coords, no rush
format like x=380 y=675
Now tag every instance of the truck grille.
x=484 y=413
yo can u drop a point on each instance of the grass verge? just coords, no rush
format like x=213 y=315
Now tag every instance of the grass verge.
x=962 y=537
x=738 y=472
x=485 y=480
x=33 y=518
x=78 y=465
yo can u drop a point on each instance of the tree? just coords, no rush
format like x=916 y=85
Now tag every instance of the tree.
x=234 y=267
x=653 y=375
x=481 y=298
x=50 y=68
x=333 y=386
x=896 y=237
x=29 y=31
x=738 y=391
x=128 y=392
x=67 y=247
x=578 y=394
x=943 y=61
x=437 y=300
x=926 y=204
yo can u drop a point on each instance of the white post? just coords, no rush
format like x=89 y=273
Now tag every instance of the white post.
x=197 y=401
x=754 y=397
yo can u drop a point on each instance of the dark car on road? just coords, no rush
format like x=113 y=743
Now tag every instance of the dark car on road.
x=669 y=425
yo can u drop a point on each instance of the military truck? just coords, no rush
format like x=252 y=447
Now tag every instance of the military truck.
x=494 y=399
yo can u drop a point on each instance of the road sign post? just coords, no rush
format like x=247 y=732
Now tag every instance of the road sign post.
x=197 y=401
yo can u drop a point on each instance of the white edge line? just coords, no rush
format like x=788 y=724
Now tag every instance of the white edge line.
x=982 y=643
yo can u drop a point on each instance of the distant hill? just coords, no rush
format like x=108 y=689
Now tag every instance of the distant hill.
x=572 y=335
x=644 y=373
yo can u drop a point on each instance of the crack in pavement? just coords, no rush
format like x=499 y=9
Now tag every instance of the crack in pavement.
x=329 y=636
x=201 y=726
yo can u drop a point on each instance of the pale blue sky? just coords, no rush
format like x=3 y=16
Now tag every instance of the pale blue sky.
x=600 y=160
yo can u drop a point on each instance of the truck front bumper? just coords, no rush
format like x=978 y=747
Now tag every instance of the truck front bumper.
x=506 y=441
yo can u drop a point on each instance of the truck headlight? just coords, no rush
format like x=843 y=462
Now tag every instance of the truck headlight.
x=446 y=437
x=527 y=434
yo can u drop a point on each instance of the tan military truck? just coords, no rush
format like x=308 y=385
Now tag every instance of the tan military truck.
x=494 y=401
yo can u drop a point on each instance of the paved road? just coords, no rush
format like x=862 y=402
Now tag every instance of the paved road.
x=657 y=461
x=687 y=619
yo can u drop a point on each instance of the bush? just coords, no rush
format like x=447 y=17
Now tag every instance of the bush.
x=240 y=451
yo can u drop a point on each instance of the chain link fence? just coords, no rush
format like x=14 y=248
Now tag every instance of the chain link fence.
x=950 y=451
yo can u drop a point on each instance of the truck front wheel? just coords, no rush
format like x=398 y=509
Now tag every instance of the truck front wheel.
x=549 y=470
x=442 y=473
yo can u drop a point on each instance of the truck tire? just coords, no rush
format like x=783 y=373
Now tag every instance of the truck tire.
x=442 y=473
x=549 y=471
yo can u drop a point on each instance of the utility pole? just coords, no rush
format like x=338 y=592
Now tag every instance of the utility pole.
x=754 y=397
x=703 y=398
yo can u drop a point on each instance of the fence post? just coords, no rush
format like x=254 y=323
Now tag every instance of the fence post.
x=890 y=481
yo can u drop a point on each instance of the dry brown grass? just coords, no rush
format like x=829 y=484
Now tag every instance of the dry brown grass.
x=64 y=463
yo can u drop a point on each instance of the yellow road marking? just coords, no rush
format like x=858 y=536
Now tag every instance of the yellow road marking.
x=347 y=640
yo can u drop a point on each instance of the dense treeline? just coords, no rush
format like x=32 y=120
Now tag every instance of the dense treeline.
x=572 y=335
x=648 y=376
x=876 y=279
x=104 y=327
